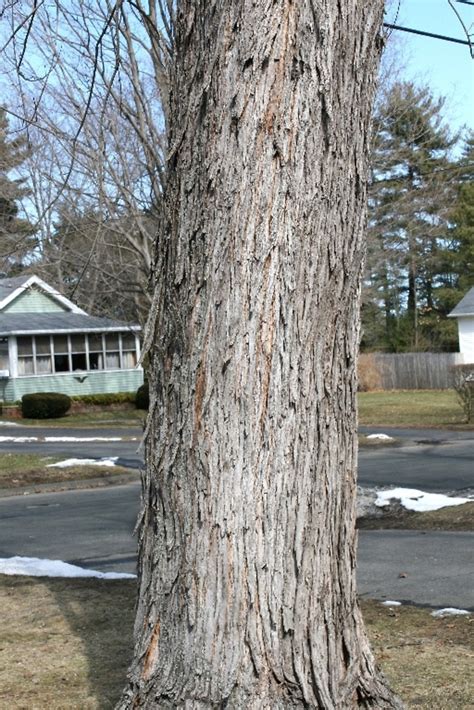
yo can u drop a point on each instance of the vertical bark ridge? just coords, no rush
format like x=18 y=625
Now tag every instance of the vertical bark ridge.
x=247 y=561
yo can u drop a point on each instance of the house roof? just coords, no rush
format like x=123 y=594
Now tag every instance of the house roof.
x=61 y=322
x=11 y=288
x=465 y=307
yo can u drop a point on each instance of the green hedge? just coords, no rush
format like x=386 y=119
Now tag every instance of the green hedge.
x=142 y=397
x=105 y=398
x=45 y=405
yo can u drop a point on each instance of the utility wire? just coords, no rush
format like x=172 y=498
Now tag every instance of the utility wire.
x=428 y=34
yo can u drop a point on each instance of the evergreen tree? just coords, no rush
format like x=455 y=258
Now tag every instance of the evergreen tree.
x=459 y=260
x=15 y=232
x=410 y=202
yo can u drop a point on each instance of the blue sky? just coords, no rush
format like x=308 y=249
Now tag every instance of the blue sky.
x=446 y=67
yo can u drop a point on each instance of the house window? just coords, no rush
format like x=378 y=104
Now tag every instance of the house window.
x=25 y=356
x=47 y=354
x=78 y=352
x=4 y=359
x=44 y=361
x=129 y=351
x=112 y=351
x=96 y=351
x=61 y=353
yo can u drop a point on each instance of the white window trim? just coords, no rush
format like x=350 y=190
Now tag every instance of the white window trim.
x=13 y=355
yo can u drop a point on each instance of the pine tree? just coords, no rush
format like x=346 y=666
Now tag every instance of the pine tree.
x=459 y=264
x=410 y=201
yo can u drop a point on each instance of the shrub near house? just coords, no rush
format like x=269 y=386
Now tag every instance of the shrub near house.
x=48 y=344
x=45 y=405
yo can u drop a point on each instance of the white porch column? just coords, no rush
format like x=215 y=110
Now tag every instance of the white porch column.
x=13 y=355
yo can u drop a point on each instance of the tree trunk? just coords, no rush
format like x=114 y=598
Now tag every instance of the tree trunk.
x=247 y=540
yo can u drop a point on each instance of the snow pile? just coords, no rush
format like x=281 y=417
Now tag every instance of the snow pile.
x=389 y=602
x=64 y=439
x=19 y=439
x=9 y=424
x=421 y=502
x=381 y=437
x=110 y=461
x=449 y=611
x=53 y=439
x=35 y=567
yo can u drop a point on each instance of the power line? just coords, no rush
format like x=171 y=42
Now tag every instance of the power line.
x=428 y=34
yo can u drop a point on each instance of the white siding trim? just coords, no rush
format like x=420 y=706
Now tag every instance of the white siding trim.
x=81 y=372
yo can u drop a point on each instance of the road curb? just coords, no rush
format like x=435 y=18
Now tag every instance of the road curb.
x=59 y=486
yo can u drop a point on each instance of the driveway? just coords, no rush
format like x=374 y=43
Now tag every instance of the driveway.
x=434 y=460
x=94 y=528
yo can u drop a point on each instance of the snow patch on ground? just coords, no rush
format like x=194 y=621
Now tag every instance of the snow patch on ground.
x=389 y=602
x=82 y=438
x=109 y=461
x=9 y=424
x=449 y=611
x=64 y=439
x=35 y=567
x=383 y=437
x=419 y=501
x=19 y=439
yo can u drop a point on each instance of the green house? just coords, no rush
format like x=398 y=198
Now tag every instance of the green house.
x=48 y=344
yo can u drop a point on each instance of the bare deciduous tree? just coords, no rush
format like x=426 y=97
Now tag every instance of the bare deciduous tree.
x=247 y=536
x=247 y=540
x=91 y=88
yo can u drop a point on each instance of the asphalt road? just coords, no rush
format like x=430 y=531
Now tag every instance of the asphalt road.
x=126 y=444
x=432 y=569
x=433 y=460
x=93 y=529
x=435 y=468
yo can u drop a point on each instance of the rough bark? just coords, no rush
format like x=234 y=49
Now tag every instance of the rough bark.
x=247 y=540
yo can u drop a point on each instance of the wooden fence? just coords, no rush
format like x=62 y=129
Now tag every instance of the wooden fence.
x=407 y=370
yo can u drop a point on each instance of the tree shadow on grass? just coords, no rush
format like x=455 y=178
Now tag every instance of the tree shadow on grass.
x=100 y=614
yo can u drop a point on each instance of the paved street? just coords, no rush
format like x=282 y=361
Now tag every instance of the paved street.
x=93 y=528
x=433 y=467
x=434 y=460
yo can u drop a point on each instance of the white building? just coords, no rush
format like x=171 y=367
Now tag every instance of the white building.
x=464 y=312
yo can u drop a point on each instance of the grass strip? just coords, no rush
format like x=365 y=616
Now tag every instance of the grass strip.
x=412 y=408
x=107 y=417
x=19 y=470
x=455 y=517
x=67 y=643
